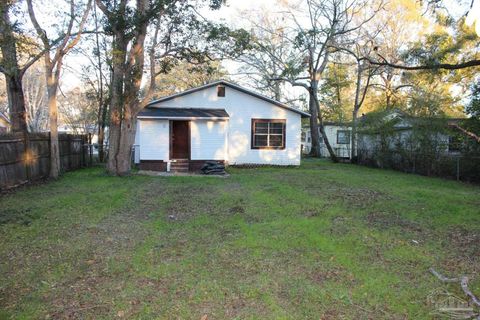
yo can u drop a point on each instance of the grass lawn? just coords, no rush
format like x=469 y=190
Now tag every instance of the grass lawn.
x=322 y=241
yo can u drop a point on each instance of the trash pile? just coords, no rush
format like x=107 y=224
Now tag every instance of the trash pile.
x=213 y=167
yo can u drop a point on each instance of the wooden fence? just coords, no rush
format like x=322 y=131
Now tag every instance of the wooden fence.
x=27 y=158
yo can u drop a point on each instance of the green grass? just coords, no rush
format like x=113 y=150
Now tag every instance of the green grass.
x=323 y=241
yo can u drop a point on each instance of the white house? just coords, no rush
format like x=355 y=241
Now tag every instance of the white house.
x=219 y=121
x=339 y=137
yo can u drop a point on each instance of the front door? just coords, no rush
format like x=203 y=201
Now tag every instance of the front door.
x=180 y=140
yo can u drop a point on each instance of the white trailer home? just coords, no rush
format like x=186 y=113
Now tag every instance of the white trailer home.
x=219 y=121
x=339 y=136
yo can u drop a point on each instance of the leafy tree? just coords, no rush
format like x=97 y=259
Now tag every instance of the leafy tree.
x=473 y=107
x=453 y=47
x=335 y=93
x=185 y=75
x=471 y=126
x=177 y=33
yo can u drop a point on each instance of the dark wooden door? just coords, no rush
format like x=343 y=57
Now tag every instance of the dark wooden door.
x=180 y=140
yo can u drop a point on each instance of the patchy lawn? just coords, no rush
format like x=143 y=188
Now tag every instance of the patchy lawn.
x=321 y=241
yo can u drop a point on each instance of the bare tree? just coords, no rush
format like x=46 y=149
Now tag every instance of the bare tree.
x=328 y=23
x=263 y=63
x=96 y=76
x=364 y=74
x=78 y=110
x=35 y=92
x=53 y=60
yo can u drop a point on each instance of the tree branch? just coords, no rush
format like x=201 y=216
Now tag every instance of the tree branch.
x=463 y=283
x=466 y=132
x=446 y=66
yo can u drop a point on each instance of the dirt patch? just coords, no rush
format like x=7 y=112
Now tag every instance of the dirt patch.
x=236 y=210
x=357 y=197
x=339 y=225
x=384 y=220
x=464 y=246
x=311 y=213
x=348 y=195
x=467 y=241
x=187 y=201
x=321 y=276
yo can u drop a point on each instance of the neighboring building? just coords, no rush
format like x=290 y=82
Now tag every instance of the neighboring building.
x=4 y=123
x=395 y=129
x=219 y=121
x=338 y=134
x=80 y=129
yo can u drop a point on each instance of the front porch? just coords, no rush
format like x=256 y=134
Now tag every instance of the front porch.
x=181 y=139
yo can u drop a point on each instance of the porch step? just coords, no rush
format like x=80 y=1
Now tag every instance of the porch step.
x=180 y=166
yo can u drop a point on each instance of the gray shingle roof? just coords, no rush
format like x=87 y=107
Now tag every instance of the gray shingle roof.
x=168 y=113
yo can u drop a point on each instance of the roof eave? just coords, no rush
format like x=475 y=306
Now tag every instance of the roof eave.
x=183 y=118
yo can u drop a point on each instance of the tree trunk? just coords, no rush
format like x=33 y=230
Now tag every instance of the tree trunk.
x=127 y=139
x=16 y=101
x=356 y=107
x=353 y=149
x=116 y=104
x=13 y=74
x=52 y=86
x=315 y=150
x=101 y=131
x=317 y=118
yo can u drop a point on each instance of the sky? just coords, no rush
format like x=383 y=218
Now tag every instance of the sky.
x=230 y=14
x=235 y=14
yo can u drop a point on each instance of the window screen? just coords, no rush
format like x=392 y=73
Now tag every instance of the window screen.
x=268 y=134
x=343 y=137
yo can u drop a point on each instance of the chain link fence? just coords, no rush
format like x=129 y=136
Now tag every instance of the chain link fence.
x=459 y=166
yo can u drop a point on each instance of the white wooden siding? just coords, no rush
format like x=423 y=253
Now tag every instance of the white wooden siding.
x=242 y=108
x=154 y=139
x=342 y=150
x=208 y=140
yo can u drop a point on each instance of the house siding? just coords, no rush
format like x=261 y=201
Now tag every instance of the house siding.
x=208 y=140
x=153 y=136
x=242 y=108
x=341 y=150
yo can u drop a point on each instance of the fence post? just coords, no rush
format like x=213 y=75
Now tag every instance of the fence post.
x=49 y=152
x=90 y=150
x=414 y=162
x=458 y=168
x=27 y=156
x=69 y=157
